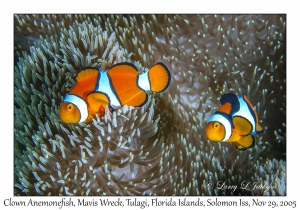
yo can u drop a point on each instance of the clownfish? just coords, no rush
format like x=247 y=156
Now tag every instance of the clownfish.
x=120 y=85
x=235 y=121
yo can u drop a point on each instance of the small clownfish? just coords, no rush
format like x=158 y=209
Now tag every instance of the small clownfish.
x=120 y=85
x=235 y=121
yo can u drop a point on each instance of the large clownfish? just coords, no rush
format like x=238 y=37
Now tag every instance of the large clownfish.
x=235 y=121
x=120 y=85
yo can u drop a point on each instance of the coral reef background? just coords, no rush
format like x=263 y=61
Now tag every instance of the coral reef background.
x=161 y=148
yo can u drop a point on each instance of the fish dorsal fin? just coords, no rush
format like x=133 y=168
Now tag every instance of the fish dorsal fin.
x=233 y=100
x=242 y=125
x=226 y=108
x=245 y=142
x=124 y=79
x=97 y=103
x=87 y=74
x=259 y=129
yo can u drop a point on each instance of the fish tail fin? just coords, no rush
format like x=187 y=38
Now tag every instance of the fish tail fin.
x=245 y=142
x=159 y=77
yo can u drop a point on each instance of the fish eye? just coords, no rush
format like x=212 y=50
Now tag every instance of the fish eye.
x=216 y=125
x=70 y=107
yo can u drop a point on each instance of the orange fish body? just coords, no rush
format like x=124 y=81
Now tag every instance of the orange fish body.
x=120 y=85
x=235 y=121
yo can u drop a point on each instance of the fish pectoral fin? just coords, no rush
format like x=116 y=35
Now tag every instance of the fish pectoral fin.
x=242 y=125
x=245 y=142
x=234 y=136
x=97 y=103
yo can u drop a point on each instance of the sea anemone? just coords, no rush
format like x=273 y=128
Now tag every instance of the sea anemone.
x=271 y=176
x=160 y=148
